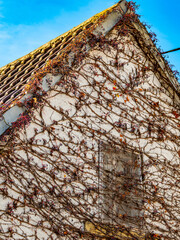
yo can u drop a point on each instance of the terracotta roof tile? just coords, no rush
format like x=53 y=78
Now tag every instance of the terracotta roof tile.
x=15 y=75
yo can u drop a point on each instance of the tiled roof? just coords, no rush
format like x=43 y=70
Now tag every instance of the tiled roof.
x=15 y=75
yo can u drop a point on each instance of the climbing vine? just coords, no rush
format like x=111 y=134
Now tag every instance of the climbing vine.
x=56 y=160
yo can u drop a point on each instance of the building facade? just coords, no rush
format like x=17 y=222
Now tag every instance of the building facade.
x=90 y=142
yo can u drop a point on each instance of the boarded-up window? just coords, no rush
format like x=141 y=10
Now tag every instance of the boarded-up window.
x=121 y=183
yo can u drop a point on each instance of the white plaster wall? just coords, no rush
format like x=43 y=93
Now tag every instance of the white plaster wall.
x=107 y=115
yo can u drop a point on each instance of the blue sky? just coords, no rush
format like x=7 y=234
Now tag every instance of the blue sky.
x=27 y=24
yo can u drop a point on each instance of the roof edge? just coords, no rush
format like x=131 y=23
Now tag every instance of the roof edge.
x=158 y=57
x=15 y=111
x=51 y=42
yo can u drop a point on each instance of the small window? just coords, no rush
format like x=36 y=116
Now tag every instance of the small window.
x=121 y=186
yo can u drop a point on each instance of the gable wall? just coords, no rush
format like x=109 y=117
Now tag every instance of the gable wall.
x=60 y=147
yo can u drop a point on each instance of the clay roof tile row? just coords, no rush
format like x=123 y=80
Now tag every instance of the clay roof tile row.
x=14 y=76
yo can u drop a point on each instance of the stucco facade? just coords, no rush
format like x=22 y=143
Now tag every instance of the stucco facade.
x=53 y=168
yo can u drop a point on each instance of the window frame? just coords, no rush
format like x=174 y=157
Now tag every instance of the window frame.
x=102 y=149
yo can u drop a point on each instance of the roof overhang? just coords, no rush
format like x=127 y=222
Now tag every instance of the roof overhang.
x=14 y=112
